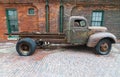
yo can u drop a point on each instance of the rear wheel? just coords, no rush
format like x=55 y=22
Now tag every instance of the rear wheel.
x=103 y=47
x=26 y=47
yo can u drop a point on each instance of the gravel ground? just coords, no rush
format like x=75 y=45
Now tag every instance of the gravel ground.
x=63 y=62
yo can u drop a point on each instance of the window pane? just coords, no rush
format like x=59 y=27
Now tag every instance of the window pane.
x=31 y=11
x=97 y=14
x=13 y=22
x=100 y=14
x=93 y=18
x=98 y=19
x=10 y=13
x=99 y=24
x=94 y=14
x=92 y=23
x=95 y=24
x=13 y=25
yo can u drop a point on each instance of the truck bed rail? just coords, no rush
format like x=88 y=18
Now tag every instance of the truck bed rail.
x=50 y=37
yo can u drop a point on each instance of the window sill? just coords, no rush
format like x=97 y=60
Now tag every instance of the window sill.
x=10 y=38
x=31 y=14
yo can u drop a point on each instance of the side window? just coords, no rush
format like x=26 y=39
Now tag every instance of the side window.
x=79 y=23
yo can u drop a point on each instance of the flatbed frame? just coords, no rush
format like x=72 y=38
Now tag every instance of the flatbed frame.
x=48 y=37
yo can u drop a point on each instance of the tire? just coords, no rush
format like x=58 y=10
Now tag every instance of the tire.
x=103 y=47
x=26 y=47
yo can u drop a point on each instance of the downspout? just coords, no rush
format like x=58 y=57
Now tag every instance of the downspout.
x=61 y=16
x=47 y=15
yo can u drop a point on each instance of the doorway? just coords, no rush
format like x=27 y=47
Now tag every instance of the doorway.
x=12 y=21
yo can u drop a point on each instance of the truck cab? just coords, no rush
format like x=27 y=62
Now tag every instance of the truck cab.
x=77 y=30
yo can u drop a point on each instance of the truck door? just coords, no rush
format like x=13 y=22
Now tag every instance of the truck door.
x=79 y=32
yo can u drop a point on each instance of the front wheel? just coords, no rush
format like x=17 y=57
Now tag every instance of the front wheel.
x=103 y=47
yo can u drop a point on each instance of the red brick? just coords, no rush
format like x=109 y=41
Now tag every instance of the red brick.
x=37 y=22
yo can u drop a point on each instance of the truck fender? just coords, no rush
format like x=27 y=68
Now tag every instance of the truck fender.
x=95 y=38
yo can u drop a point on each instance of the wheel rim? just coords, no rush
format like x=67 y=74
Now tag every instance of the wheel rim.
x=24 y=48
x=104 y=47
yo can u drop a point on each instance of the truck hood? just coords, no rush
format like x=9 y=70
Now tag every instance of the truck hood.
x=98 y=29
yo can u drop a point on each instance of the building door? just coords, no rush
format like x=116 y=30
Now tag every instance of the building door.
x=12 y=21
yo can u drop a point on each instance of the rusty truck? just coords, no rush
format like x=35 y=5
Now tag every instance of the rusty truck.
x=77 y=32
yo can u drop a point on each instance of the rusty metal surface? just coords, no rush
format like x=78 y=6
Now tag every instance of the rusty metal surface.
x=48 y=37
x=86 y=35
x=95 y=38
x=55 y=41
x=77 y=35
x=34 y=33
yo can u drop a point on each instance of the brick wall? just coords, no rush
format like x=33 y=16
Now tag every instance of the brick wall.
x=54 y=17
x=37 y=22
x=3 y=26
x=31 y=23
x=27 y=22
x=112 y=21
x=40 y=16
